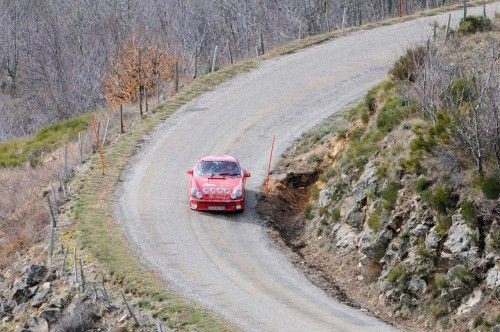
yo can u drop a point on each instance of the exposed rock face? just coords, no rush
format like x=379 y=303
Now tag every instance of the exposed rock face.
x=344 y=237
x=365 y=182
x=471 y=303
x=42 y=295
x=350 y=209
x=374 y=246
x=493 y=278
x=417 y=286
x=432 y=239
x=34 y=274
x=459 y=242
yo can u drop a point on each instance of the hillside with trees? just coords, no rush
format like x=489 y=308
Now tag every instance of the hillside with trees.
x=57 y=57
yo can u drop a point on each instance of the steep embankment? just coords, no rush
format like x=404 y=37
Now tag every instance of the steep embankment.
x=385 y=205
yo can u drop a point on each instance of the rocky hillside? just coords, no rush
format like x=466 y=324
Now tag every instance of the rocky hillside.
x=394 y=205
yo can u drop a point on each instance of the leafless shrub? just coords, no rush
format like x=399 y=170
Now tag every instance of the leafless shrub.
x=458 y=86
x=82 y=318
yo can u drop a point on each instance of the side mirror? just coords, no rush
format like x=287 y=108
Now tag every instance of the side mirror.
x=189 y=171
x=247 y=175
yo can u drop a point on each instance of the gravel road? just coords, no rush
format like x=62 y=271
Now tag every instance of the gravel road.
x=226 y=262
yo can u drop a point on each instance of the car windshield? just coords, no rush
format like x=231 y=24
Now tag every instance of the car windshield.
x=218 y=168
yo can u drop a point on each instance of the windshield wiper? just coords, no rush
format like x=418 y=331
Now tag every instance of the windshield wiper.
x=228 y=174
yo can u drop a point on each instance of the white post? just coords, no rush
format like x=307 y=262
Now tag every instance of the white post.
x=215 y=58
x=343 y=18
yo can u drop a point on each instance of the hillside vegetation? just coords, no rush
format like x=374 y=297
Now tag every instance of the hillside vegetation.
x=58 y=58
x=399 y=197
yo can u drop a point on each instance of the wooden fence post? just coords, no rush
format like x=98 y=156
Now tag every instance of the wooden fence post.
x=176 y=76
x=122 y=130
x=75 y=268
x=261 y=43
x=95 y=127
x=195 y=69
x=229 y=52
x=465 y=9
x=65 y=170
x=80 y=146
x=53 y=224
x=64 y=259
x=130 y=310
x=447 y=27
x=82 y=276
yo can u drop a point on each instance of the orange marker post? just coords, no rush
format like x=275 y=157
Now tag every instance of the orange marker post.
x=270 y=161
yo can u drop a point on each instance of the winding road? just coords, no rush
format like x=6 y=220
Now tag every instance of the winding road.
x=226 y=262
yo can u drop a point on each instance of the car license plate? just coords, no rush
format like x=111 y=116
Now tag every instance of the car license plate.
x=216 y=208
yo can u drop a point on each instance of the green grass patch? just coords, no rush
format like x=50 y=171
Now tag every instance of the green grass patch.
x=335 y=214
x=18 y=151
x=438 y=282
x=440 y=198
x=443 y=224
x=396 y=273
x=463 y=277
x=390 y=194
x=468 y=212
x=438 y=310
x=473 y=24
x=494 y=241
x=308 y=212
x=490 y=186
x=391 y=114
x=422 y=184
x=374 y=221
x=314 y=192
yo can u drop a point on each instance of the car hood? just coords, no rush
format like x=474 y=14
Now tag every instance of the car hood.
x=218 y=182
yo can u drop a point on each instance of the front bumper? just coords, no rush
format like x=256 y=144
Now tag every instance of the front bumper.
x=217 y=206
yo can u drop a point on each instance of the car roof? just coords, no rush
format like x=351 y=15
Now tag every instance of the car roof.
x=219 y=157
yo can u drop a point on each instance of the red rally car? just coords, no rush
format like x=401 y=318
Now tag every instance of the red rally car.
x=217 y=183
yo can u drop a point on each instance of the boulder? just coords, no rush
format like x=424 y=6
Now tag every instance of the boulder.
x=37 y=324
x=369 y=268
x=42 y=295
x=417 y=286
x=34 y=274
x=344 y=237
x=374 y=247
x=459 y=242
x=348 y=207
x=57 y=302
x=432 y=239
x=420 y=231
x=391 y=257
x=22 y=293
x=355 y=219
x=493 y=278
x=325 y=197
x=51 y=315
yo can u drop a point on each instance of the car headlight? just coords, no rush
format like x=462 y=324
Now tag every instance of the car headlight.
x=236 y=194
x=195 y=192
